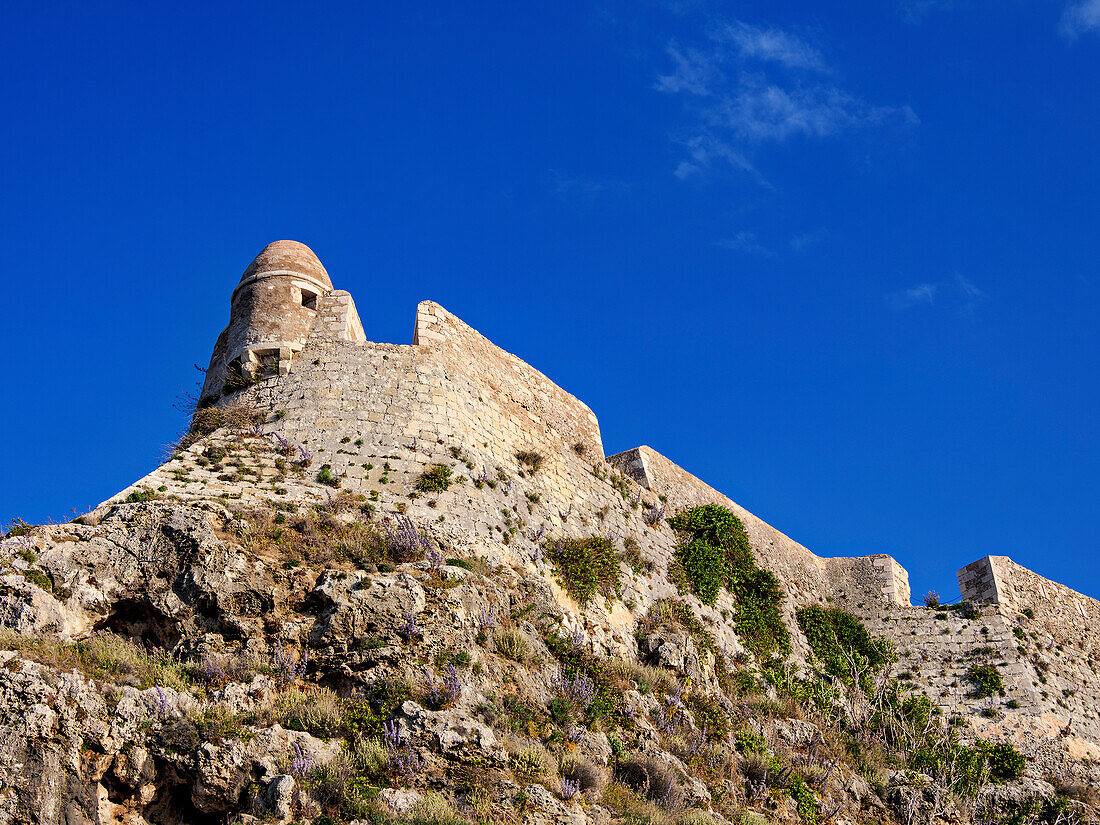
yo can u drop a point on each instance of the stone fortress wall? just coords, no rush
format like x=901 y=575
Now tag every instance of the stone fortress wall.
x=380 y=414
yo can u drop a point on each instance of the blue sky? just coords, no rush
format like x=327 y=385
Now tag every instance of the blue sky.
x=839 y=260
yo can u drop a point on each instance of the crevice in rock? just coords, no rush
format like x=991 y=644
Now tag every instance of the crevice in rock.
x=138 y=620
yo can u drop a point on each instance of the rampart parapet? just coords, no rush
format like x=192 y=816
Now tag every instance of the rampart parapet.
x=528 y=464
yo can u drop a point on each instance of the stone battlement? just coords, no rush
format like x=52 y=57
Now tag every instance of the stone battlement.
x=375 y=416
x=298 y=346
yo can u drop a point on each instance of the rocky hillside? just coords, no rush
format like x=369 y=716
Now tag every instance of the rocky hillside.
x=436 y=646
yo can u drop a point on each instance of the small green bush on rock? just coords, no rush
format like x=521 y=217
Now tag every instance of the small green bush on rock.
x=835 y=635
x=986 y=680
x=586 y=566
x=717 y=554
x=435 y=479
x=1005 y=762
x=708 y=567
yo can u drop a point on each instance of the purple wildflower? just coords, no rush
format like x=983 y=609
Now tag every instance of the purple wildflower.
x=577 y=735
x=161 y=702
x=580 y=690
x=391 y=734
x=410 y=630
x=653 y=515
x=213 y=672
x=302 y=764
x=486 y=621
x=434 y=558
x=452 y=686
x=288 y=670
x=433 y=689
x=405 y=541
x=401 y=755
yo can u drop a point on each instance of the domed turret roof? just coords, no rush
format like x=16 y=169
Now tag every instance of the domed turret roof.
x=287 y=258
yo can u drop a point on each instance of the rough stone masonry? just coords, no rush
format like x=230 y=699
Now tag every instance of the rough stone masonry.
x=377 y=415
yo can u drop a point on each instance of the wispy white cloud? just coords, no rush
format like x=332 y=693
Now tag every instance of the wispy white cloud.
x=756 y=43
x=745 y=242
x=692 y=72
x=761 y=111
x=957 y=293
x=969 y=295
x=919 y=295
x=1078 y=17
x=1081 y=17
x=750 y=86
x=704 y=150
x=968 y=290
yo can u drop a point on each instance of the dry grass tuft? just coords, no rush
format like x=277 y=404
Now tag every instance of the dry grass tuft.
x=104 y=656
x=587 y=774
x=531 y=761
x=633 y=806
x=648 y=678
x=513 y=644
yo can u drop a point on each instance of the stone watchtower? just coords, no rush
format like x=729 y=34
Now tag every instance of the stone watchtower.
x=272 y=312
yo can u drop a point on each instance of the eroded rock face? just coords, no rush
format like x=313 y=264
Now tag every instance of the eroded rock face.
x=286 y=685
x=158 y=573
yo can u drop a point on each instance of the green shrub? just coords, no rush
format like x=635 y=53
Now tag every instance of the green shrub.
x=707 y=567
x=717 y=526
x=834 y=635
x=17 y=527
x=325 y=476
x=750 y=742
x=803 y=798
x=435 y=479
x=586 y=567
x=337 y=787
x=758 y=619
x=632 y=555
x=710 y=714
x=986 y=680
x=968 y=766
x=38 y=578
x=716 y=554
x=1005 y=762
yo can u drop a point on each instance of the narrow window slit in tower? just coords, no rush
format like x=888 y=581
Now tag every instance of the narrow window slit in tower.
x=309 y=299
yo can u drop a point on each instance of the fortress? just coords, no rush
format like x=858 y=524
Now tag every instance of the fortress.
x=374 y=416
